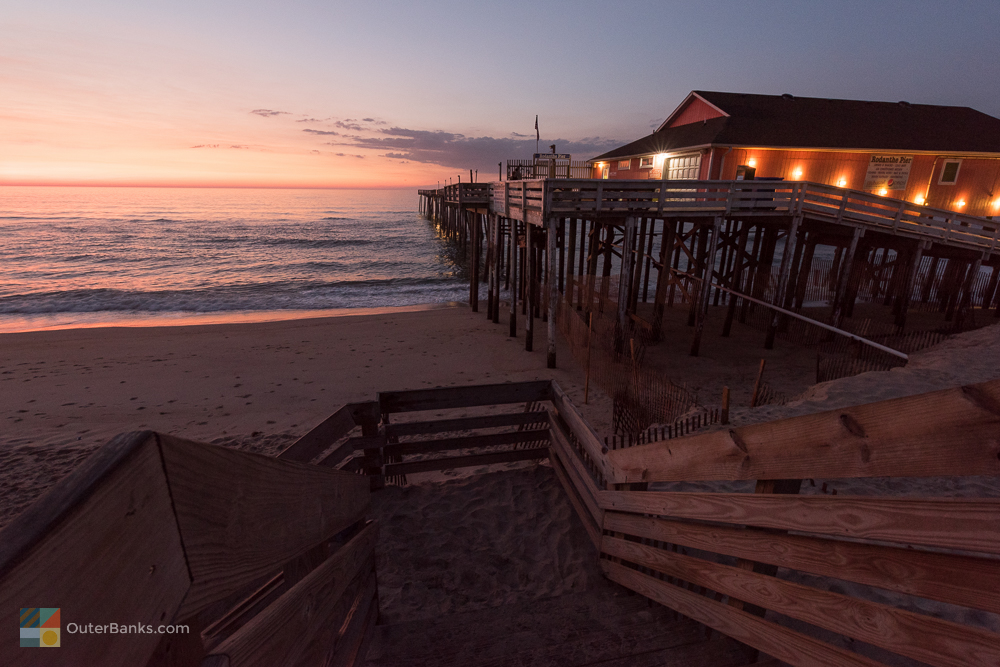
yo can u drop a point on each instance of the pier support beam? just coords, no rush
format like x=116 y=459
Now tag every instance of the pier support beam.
x=791 y=243
x=512 y=333
x=529 y=292
x=706 y=287
x=474 y=269
x=837 y=317
x=553 y=285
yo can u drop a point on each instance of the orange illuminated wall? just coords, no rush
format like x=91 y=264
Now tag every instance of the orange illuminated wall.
x=978 y=178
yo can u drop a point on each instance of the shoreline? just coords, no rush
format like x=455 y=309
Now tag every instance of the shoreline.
x=193 y=319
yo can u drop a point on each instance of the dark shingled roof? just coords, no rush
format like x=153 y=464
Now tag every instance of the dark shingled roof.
x=813 y=122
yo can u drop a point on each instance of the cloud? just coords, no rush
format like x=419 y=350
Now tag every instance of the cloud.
x=322 y=132
x=449 y=149
x=349 y=124
x=362 y=157
x=237 y=146
x=269 y=112
x=311 y=120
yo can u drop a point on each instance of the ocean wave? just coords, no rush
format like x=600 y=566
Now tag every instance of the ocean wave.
x=249 y=297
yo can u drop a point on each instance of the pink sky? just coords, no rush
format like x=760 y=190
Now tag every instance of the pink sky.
x=393 y=94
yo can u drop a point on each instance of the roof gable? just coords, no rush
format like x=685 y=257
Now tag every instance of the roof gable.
x=693 y=109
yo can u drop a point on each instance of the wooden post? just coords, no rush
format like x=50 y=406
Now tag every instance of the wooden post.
x=553 y=284
x=725 y=405
x=706 y=287
x=756 y=384
x=663 y=277
x=512 y=267
x=802 y=283
x=837 y=317
x=590 y=338
x=786 y=266
x=907 y=289
x=966 y=296
x=649 y=260
x=529 y=292
x=627 y=269
x=474 y=270
x=698 y=270
x=740 y=268
x=570 y=291
x=497 y=266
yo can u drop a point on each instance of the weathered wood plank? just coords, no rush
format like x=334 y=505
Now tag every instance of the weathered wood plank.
x=449 y=462
x=467 y=442
x=951 y=523
x=577 y=473
x=930 y=640
x=956 y=579
x=943 y=433
x=280 y=634
x=584 y=433
x=463 y=397
x=330 y=430
x=582 y=511
x=776 y=640
x=346 y=649
x=243 y=515
x=466 y=423
x=105 y=549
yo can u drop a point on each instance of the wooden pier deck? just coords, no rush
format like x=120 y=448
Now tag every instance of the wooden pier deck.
x=710 y=241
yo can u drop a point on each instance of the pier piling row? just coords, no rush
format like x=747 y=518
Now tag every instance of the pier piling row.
x=564 y=243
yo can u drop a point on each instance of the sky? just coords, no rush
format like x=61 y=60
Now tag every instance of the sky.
x=303 y=93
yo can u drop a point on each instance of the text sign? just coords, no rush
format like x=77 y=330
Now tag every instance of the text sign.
x=551 y=156
x=888 y=171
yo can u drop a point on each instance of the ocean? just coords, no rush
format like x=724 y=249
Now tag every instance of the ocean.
x=90 y=256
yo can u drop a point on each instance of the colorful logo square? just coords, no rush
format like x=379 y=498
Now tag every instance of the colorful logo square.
x=40 y=627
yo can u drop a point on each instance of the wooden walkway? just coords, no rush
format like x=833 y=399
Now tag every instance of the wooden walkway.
x=271 y=561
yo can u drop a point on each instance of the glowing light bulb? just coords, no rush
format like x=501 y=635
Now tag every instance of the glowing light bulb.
x=960 y=203
x=883 y=192
x=752 y=162
x=919 y=200
x=797 y=173
x=842 y=183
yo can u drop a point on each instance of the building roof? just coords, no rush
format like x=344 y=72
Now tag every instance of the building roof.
x=784 y=121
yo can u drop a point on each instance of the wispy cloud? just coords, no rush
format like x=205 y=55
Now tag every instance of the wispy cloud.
x=269 y=112
x=236 y=146
x=311 y=120
x=449 y=149
x=331 y=133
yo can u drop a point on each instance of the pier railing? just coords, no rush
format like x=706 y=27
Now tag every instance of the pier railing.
x=619 y=198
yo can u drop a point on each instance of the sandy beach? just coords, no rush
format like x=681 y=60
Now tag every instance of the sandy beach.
x=254 y=386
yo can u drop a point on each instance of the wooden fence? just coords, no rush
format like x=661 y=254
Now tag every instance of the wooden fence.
x=271 y=561
x=262 y=561
x=715 y=556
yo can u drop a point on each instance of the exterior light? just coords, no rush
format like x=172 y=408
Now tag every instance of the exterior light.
x=752 y=162
x=883 y=192
x=660 y=158
x=996 y=204
x=919 y=200
x=842 y=183
x=960 y=203
x=797 y=173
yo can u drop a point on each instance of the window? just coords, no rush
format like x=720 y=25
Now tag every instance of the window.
x=646 y=162
x=684 y=168
x=625 y=164
x=949 y=172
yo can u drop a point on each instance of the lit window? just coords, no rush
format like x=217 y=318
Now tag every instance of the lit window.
x=625 y=164
x=646 y=162
x=949 y=172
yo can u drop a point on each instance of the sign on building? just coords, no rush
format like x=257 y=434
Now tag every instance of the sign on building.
x=888 y=171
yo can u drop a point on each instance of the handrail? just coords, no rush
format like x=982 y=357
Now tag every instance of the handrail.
x=155 y=530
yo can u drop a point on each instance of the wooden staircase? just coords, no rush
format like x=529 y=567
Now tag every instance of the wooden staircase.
x=608 y=626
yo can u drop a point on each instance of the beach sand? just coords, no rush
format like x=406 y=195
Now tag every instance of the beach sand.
x=256 y=386
x=447 y=544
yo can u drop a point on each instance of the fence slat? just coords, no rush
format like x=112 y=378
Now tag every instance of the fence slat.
x=956 y=579
x=968 y=525
x=776 y=640
x=916 y=636
x=943 y=433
